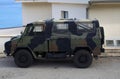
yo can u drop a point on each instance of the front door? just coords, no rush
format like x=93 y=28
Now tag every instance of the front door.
x=35 y=38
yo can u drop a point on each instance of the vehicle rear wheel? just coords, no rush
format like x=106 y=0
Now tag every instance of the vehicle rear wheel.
x=23 y=58
x=83 y=59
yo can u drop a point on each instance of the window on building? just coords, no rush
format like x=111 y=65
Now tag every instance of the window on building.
x=118 y=42
x=64 y=14
x=87 y=13
x=109 y=42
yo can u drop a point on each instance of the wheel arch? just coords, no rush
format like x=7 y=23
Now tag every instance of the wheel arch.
x=24 y=48
x=82 y=48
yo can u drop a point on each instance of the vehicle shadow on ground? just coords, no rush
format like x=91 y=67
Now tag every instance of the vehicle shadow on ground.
x=67 y=63
x=7 y=62
x=53 y=64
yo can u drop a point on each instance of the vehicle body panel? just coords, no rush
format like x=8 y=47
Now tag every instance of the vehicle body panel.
x=67 y=39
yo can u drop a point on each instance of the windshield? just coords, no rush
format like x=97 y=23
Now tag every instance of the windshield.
x=28 y=29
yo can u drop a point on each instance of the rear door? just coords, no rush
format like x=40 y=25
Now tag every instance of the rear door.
x=83 y=35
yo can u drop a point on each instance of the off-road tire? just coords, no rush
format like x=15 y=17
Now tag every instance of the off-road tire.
x=23 y=58
x=83 y=59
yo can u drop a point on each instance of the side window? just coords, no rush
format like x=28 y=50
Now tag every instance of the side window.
x=38 y=28
x=85 y=27
x=60 y=28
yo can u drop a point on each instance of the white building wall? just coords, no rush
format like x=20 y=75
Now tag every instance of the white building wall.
x=109 y=17
x=2 y=41
x=57 y=1
x=7 y=34
x=75 y=10
x=11 y=31
x=36 y=11
x=69 y=1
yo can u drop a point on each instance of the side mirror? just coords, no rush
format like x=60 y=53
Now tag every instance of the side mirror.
x=21 y=32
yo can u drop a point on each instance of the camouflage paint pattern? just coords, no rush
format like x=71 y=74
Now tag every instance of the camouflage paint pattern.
x=49 y=41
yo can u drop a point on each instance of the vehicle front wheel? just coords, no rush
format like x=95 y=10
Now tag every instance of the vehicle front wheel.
x=83 y=59
x=23 y=58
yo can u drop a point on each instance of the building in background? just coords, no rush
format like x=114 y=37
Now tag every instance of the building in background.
x=108 y=13
x=10 y=13
x=33 y=10
x=7 y=33
x=10 y=16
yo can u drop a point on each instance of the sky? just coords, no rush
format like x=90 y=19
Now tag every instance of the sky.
x=10 y=14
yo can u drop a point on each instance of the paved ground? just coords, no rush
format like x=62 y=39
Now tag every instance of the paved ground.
x=104 y=68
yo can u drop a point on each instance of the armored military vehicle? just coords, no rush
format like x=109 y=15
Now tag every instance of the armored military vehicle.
x=58 y=39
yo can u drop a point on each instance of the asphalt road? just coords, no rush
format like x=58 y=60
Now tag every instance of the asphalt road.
x=103 y=68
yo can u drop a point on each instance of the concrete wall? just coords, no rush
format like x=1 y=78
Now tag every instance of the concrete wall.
x=2 y=41
x=70 y=1
x=109 y=17
x=11 y=31
x=57 y=1
x=36 y=11
x=74 y=10
x=7 y=34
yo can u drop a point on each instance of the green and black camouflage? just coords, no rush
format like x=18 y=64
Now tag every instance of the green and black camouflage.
x=52 y=40
x=47 y=38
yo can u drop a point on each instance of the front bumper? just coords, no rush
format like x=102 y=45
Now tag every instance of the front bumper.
x=7 y=46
